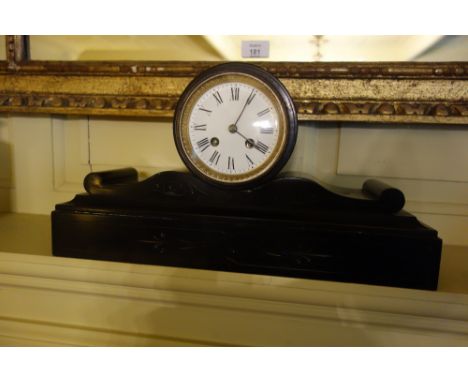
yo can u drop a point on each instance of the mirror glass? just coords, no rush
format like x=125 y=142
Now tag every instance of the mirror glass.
x=280 y=48
x=122 y=48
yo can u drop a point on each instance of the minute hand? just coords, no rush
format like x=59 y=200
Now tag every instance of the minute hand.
x=249 y=99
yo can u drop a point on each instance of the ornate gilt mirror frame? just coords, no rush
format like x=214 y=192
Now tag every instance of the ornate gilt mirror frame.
x=403 y=92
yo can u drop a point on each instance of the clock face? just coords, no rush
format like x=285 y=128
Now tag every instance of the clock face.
x=232 y=128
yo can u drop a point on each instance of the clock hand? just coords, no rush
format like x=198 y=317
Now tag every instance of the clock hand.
x=247 y=102
x=234 y=129
x=249 y=142
x=243 y=136
x=240 y=115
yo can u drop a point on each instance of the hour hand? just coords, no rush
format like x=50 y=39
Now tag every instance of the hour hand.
x=233 y=129
x=249 y=142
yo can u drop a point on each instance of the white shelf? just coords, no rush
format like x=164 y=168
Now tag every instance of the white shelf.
x=46 y=300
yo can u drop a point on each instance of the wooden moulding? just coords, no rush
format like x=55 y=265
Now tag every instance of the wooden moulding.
x=398 y=92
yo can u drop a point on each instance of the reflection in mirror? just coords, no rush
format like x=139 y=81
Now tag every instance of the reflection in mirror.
x=281 y=48
x=2 y=48
x=331 y=48
x=140 y=48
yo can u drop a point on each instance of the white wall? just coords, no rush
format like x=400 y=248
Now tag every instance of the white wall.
x=43 y=161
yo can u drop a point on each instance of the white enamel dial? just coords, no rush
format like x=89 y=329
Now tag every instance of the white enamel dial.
x=233 y=128
x=235 y=125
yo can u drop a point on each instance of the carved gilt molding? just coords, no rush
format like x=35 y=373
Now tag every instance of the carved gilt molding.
x=350 y=70
x=364 y=92
x=17 y=50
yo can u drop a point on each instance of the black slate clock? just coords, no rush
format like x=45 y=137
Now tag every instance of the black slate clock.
x=235 y=125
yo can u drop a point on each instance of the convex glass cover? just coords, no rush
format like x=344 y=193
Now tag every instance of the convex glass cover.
x=235 y=125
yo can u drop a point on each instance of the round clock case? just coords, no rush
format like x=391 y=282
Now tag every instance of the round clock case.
x=235 y=125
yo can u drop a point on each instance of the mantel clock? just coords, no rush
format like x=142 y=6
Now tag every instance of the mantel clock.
x=235 y=127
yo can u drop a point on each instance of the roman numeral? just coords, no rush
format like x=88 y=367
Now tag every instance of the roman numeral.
x=218 y=98
x=203 y=144
x=266 y=130
x=202 y=109
x=263 y=148
x=263 y=112
x=231 y=163
x=200 y=127
x=250 y=160
x=235 y=94
x=214 y=158
x=251 y=97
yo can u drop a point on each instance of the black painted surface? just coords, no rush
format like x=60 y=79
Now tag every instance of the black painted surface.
x=289 y=227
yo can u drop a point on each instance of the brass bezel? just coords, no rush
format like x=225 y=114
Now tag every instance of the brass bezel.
x=182 y=127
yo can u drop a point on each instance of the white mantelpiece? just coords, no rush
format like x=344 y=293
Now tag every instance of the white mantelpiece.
x=46 y=300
